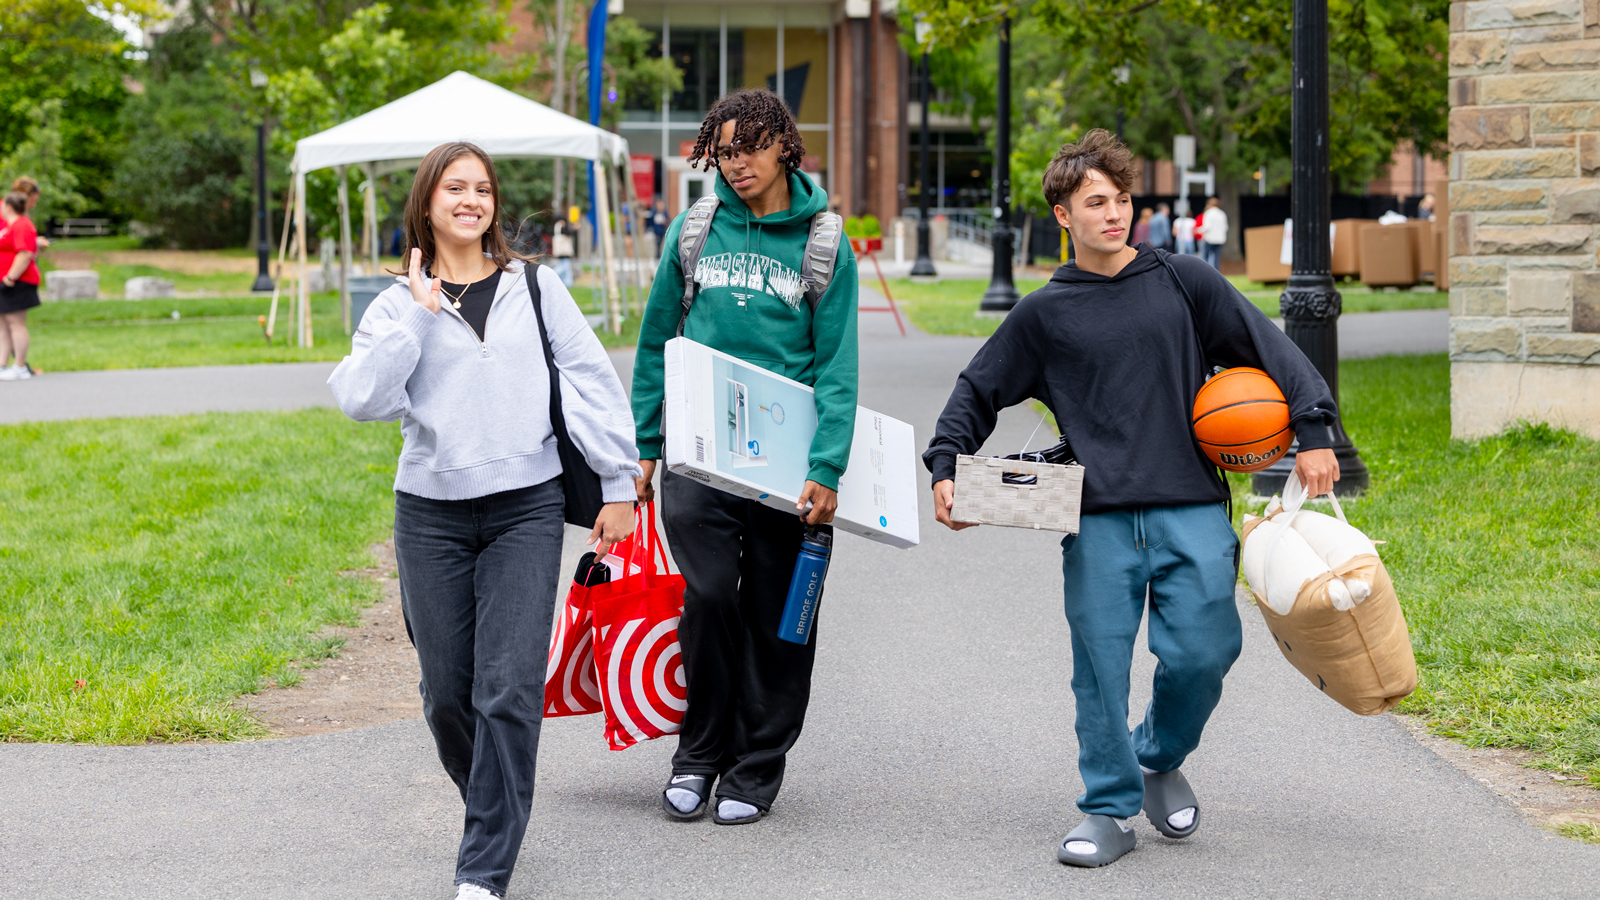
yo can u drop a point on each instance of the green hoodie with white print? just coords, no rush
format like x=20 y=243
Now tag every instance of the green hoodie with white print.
x=752 y=305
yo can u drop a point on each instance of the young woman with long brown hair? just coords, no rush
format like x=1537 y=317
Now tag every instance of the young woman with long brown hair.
x=456 y=354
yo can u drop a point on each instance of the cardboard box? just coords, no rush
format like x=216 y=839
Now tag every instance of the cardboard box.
x=1388 y=256
x=1421 y=245
x=1347 y=245
x=1263 y=248
x=745 y=430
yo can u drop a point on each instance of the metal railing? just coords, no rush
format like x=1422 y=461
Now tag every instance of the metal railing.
x=971 y=236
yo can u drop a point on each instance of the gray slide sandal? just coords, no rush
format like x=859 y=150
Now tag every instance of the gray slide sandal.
x=1164 y=794
x=1110 y=843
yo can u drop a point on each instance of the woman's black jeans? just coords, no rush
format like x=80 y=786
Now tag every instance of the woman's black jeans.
x=478 y=584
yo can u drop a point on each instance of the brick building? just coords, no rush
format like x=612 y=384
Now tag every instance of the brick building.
x=839 y=66
x=1524 y=208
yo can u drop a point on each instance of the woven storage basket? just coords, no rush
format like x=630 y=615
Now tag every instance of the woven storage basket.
x=983 y=497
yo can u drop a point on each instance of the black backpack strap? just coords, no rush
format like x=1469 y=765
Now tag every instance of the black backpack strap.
x=822 y=253
x=1188 y=299
x=1205 y=375
x=691 y=240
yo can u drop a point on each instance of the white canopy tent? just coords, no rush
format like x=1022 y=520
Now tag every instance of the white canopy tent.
x=458 y=107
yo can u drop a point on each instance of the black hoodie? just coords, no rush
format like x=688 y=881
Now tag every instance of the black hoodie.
x=1117 y=362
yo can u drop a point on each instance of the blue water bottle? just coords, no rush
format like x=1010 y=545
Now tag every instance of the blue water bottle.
x=805 y=588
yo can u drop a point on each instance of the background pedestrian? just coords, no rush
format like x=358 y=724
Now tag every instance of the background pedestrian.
x=1213 y=232
x=1161 y=228
x=19 y=285
x=29 y=188
x=1183 y=234
x=1141 y=228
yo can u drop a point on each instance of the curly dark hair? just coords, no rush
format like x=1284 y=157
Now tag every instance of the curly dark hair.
x=763 y=119
x=1098 y=150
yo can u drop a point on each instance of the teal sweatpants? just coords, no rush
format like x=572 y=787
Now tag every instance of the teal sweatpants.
x=1187 y=556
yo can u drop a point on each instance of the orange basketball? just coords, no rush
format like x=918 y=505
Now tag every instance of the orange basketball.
x=1242 y=420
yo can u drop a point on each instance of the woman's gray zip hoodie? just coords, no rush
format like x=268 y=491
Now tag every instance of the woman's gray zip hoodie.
x=476 y=414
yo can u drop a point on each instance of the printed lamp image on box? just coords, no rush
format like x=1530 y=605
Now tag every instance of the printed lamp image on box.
x=742 y=429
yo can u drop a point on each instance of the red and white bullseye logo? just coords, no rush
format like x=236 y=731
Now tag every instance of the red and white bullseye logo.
x=645 y=682
x=579 y=692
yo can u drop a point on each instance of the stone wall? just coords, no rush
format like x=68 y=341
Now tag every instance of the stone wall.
x=1524 y=214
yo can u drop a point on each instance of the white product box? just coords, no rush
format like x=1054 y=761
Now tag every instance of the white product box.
x=742 y=429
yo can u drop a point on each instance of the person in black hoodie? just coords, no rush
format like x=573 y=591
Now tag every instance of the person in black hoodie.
x=1116 y=345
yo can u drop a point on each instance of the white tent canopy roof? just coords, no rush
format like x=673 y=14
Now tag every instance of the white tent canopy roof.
x=458 y=107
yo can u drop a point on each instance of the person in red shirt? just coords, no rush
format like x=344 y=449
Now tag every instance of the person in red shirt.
x=19 y=285
x=29 y=188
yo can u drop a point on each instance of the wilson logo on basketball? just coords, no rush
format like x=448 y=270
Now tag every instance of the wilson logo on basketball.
x=1241 y=420
x=1247 y=459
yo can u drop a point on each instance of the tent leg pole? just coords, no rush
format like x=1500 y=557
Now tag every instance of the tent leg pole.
x=619 y=229
x=302 y=311
x=370 y=213
x=277 y=281
x=344 y=248
x=608 y=276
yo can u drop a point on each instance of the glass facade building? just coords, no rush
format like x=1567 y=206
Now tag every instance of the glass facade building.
x=787 y=48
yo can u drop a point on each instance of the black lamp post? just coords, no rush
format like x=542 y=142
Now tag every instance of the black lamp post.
x=1311 y=304
x=258 y=80
x=263 y=242
x=1002 y=293
x=923 y=267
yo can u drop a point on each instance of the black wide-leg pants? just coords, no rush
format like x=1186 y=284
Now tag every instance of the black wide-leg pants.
x=747 y=689
x=478 y=583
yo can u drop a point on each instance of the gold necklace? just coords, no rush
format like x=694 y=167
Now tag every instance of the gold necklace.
x=456 y=300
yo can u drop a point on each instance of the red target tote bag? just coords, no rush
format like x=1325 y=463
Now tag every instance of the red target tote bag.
x=570 y=686
x=637 y=658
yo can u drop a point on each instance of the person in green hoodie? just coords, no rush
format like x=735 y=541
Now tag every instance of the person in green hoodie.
x=747 y=689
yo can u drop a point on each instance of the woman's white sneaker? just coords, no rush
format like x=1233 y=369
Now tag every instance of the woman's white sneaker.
x=475 y=892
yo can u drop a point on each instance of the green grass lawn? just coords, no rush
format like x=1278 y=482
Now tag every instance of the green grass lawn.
x=95 y=244
x=151 y=570
x=113 y=277
x=1495 y=554
x=949 y=306
x=140 y=334
x=1357 y=297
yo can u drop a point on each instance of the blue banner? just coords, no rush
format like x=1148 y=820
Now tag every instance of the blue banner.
x=597 y=71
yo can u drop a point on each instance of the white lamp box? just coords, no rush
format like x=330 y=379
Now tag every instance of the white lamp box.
x=745 y=430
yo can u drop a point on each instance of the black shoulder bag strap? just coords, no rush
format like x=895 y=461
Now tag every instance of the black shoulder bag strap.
x=1194 y=320
x=579 y=482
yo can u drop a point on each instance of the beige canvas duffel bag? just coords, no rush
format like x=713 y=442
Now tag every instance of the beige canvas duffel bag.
x=1360 y=654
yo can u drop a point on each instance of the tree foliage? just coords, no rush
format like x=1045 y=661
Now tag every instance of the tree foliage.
x=1043 y=130
x=39 y=157
x=67 y=51
x=1217 y=69
x=188 y=162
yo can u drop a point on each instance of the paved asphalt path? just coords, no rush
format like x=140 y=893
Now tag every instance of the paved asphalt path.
x=148 y=392
x=938 y=761
x=172 y=391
